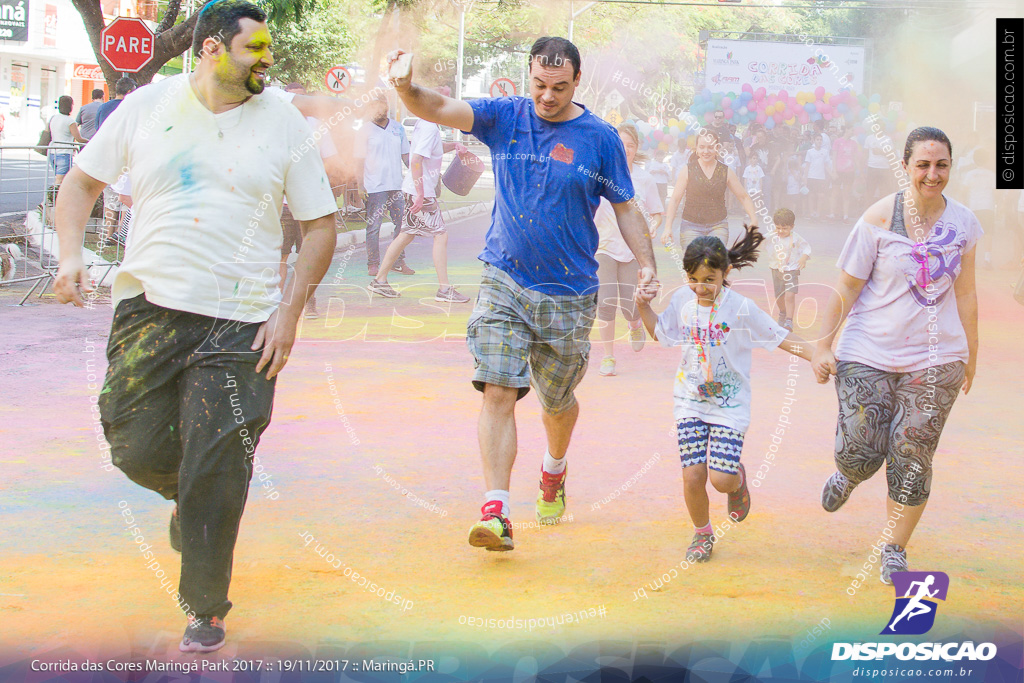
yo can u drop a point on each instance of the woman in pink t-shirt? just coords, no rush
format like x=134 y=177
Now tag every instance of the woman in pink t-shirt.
x=845 y=150
x=911 y=338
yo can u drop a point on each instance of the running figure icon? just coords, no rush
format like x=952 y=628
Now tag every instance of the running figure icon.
x=916 y=601
x=916 y=606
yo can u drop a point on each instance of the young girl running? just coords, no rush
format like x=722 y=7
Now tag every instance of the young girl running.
x=718 y=329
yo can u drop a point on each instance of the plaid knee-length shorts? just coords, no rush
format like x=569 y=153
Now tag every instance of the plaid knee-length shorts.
x=521 y=338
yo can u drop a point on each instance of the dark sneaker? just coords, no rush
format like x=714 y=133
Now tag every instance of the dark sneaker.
x=493 y=531
x=700 y=547
x=403 y=269
x=894 y=559
x=383 y=289
x=371 y=271
x=739 y=500
x=836 y=491
x=203 y=634
x=175 y=530
x=448 y=295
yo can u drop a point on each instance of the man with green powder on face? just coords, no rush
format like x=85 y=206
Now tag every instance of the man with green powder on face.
x=200 y=326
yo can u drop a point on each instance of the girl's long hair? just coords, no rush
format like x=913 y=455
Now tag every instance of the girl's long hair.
x=711 y=252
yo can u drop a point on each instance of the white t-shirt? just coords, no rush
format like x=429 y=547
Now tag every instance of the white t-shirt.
x=878 y=150
x=981 y=185
x=383 y=149
x=325 y=143
x=279 y=93
x=826 y=142
x=659 y=170
x=426 y=141
x=123 y=185
x=816 y=160
x=206 y=233
x=609 y=236
x=321 y=135
x=792 y=184
x=888 y=327
x=784 y=252
x=752 y=175
x=60 y=129
x=738 y=328
x=679 y=161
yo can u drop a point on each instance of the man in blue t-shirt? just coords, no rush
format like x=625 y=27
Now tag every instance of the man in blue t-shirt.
x=124 y=87
x=553 y=160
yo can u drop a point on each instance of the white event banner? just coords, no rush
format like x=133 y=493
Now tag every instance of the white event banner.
x=783 y=66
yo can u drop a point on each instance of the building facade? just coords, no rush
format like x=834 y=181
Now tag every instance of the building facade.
x=45 y=53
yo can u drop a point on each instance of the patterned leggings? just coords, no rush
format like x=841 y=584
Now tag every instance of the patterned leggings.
x=895 y=418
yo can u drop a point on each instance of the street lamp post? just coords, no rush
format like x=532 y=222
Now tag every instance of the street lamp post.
x=574 y=14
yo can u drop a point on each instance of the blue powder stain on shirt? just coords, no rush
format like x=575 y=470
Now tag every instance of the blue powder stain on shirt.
x=186 y=169
x=186 y=176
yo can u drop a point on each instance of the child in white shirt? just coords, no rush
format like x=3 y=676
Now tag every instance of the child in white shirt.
x=788 y=253
x=718 y=329
x=752 y=175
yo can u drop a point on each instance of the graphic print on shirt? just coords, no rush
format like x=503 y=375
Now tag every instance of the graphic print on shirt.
x=932 y=267
x=562 y=153
x=722 y=384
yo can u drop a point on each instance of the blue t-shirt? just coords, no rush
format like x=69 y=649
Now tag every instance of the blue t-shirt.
x=105 y=110
x=550 y=177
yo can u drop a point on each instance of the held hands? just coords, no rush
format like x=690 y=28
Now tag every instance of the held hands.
x=823 y=363
x=400 y=69
x=72 y=279
x=647 y=287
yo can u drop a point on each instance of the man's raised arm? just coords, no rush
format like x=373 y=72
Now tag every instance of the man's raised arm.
x=426 y=103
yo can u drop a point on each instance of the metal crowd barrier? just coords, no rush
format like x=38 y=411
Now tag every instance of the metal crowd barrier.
x=27 y=194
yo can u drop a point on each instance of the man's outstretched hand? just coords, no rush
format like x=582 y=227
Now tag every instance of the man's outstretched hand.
x=400 y=69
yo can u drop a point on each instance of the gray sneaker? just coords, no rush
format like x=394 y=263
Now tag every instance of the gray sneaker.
x=449 y=295
x=894 y=559
x=700 y=547
x=383 y=289
x=836 y=491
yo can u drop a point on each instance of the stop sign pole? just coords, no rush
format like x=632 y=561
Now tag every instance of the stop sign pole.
x=127 y=44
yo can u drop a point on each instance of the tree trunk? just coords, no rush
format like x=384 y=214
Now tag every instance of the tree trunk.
x=170 y=41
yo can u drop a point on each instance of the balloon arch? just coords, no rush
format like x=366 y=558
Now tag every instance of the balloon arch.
x=771 y=110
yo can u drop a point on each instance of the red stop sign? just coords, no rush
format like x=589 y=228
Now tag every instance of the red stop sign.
x=127 y=44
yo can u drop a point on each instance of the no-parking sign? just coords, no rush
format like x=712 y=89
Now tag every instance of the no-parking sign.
x=503 y=87
x=338 y=79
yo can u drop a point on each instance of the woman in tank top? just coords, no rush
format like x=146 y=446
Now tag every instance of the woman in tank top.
x=704 y=181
